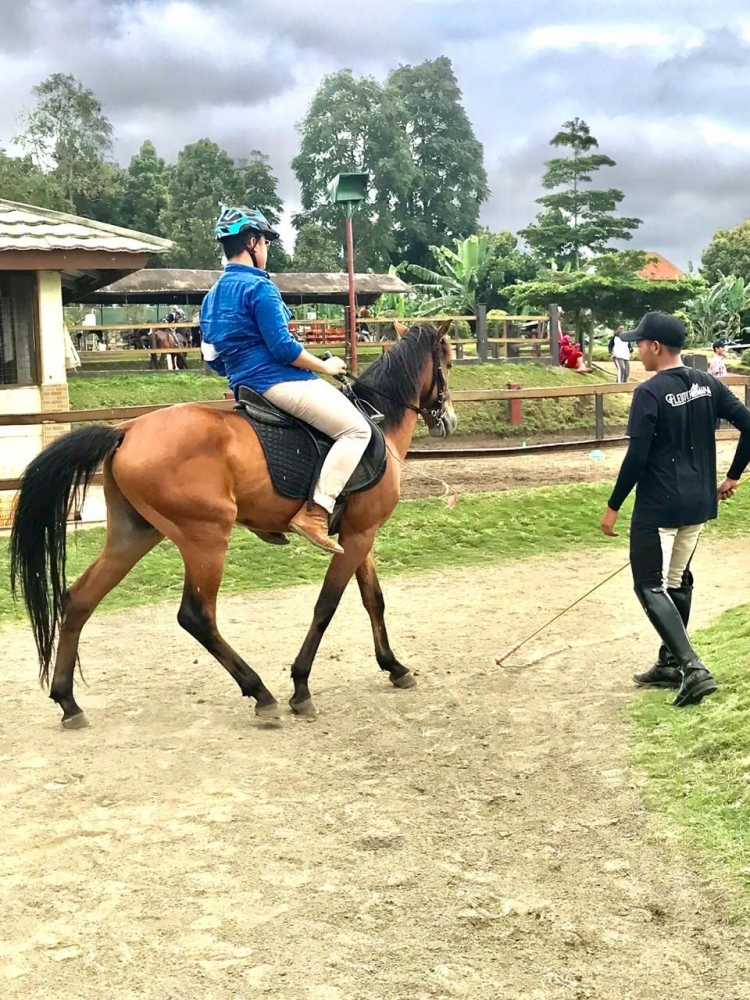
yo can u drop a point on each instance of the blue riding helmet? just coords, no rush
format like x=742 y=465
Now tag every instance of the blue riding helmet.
x=234 y=221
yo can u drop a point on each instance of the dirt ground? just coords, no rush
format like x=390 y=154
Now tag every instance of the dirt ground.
x=510 y=472
x=482 y=835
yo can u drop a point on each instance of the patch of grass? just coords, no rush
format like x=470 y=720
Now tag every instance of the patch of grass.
x=422 y=536
x=539 y=416
x=143 y=390
x=698 y=761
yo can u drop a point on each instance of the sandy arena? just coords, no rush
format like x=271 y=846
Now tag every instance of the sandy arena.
x=480 y=836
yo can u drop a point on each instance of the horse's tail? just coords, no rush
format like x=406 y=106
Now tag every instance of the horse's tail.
x=57 y=476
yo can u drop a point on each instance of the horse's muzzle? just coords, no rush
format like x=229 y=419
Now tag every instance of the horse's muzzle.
x=446 y=424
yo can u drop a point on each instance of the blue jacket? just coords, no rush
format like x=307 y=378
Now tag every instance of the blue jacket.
x=246 y=334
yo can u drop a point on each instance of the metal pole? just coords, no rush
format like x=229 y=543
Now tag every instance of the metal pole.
x=352 y=324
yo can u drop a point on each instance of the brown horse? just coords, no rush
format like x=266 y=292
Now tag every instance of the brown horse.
x=190 y=473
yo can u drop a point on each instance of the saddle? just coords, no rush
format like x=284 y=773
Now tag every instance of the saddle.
x=295 y=451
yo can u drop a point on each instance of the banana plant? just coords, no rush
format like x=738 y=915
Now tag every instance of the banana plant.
x=718 y=311
x=452 y=286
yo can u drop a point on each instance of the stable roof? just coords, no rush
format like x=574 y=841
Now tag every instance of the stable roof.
x=179 y=286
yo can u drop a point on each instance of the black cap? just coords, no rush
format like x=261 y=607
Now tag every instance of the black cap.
x=720 y=343
x=660 y=326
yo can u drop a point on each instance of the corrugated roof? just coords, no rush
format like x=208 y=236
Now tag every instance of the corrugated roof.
x=25 y=227
x=167 y=285
x=660 y=269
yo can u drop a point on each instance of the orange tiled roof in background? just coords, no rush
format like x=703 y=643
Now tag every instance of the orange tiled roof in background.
x=660 y=269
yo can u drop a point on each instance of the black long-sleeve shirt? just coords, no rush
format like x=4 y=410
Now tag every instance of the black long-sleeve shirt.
x=671 y=459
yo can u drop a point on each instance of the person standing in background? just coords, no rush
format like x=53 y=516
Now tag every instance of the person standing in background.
x=620 y=351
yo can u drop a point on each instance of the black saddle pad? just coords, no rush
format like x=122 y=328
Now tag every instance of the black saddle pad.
x=295 y=451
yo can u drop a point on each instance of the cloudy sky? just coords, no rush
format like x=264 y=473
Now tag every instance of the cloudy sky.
x=664 y=86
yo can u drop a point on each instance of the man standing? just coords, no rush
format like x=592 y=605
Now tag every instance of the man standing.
x=620 y=351
x=671 y=460
x=717 y=366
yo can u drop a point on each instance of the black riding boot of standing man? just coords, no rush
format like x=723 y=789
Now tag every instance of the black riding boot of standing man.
x=697 y=681
x=665 y=673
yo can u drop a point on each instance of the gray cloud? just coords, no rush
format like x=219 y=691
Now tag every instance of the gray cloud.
x=243 y=75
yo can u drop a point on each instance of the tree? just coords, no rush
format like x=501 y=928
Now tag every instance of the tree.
x=577 y=221
x=203 y=178
x=728 y=253
x=67 y=132
x=260 y=190
x=448 y=182
x=316 y=250
x=352 y=125
x=609 y=287
x=452 y=286
x=21 y=180
x=503 y=265
x=145 y=192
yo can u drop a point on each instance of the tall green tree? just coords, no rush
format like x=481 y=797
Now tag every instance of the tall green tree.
x=353 y=125
x=577 y=220
x=203 y=177
x=728 y=253
x=67 y=132
x=260 y=189
x=145 y=191
x=21 y=180
x=448 y=182
x=315 y=249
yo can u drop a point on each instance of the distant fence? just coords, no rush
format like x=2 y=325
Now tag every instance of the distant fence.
x=598 y=390
x=524 y=338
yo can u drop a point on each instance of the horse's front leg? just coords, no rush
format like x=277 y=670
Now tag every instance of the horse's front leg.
x=340 y=572
x=372 y=598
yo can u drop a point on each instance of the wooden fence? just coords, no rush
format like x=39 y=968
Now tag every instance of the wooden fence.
x=542 y=341
x=598 y=390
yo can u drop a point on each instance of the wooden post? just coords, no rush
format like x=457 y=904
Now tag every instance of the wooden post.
x=481 y=317
x=599 y=416
x=554 y=333
x=352 y=324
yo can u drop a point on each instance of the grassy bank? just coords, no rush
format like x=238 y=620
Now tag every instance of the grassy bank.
x=698 y=762
x=482 y=528
x=539 y=416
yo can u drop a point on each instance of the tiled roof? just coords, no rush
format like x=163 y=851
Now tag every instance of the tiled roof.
x=660 y=269
x=25 y=227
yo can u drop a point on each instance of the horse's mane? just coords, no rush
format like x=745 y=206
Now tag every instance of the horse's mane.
x=399 y=374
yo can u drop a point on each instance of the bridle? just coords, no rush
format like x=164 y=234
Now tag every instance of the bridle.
x=436 y=412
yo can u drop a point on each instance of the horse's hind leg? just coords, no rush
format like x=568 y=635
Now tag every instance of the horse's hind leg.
x=203 y=552
x=129 y=538
x=372 y=598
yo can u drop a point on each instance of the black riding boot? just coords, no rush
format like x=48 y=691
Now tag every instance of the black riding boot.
x=697 y=681
x=665 y=673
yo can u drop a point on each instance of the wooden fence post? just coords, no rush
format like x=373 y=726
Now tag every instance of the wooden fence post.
x=481 y=311
x=554 y=333
x=599 y=416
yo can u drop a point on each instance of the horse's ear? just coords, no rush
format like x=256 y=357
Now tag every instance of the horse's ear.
x=399 y=328
x=444 y=329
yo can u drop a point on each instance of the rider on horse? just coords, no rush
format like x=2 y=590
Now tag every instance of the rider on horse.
x=246 y=338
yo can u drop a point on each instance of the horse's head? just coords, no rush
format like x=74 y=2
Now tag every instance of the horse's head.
x=435 y=403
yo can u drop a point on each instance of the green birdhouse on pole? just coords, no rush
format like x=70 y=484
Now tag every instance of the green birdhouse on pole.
x=348 y=189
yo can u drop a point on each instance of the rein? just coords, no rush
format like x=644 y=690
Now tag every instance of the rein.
x=438 y=379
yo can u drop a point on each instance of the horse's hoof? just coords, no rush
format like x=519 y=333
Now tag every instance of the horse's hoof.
x=305 y=709
x=271 y=711
x=407 y=680
x=76 y=722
